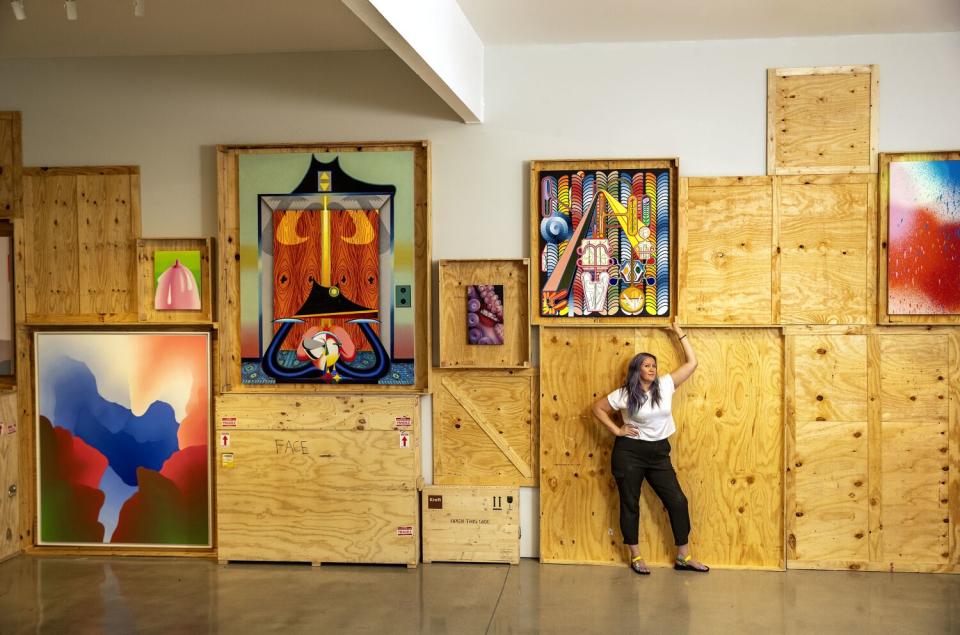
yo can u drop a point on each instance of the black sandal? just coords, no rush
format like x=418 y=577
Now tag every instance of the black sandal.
x=683 y=564
x=635 y=565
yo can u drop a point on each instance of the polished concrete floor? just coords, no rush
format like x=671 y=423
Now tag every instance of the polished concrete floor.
x=150 y=595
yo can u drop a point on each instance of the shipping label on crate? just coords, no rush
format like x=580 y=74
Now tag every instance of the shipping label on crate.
x=228 y=422
x=403 y=422
x=404 y=439
x=224 y=439
x=434 y=501
x=227 y=460
x=405 y=530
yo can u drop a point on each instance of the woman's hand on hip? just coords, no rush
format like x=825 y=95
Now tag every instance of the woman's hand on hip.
x=628 y=430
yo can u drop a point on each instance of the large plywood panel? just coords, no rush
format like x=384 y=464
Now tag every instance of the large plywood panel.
x=485 y=428
x=305 y=522
x=914 y=503
x=318 y=478
x=878 y=494
x=455 y=276
x=726 y=246
x=831 y=377
x=829 y=518
x=11 y=166
x=826 y=249
x=9 y=477
x=822 y=120
x=727 y=452
x=578 y=495
x=81 y=224
x=107 y=231
x=51 y=252
x=913 y=377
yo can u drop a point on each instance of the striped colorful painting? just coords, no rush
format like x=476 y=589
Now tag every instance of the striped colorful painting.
x=604 y=243
x=924 y=238
x=123 y=439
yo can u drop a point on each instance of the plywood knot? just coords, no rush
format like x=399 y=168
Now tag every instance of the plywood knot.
x=857 y=434
x=750 y=480
x=819 y=397
x=821 y=351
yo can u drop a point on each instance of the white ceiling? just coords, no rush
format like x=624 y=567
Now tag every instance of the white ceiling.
x=184 y=27
x=573 y=21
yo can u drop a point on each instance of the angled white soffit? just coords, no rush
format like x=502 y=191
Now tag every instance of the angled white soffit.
x=437 y=41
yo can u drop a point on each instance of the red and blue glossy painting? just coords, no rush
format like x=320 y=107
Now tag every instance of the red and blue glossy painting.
x=924 y=239
x=123 y=438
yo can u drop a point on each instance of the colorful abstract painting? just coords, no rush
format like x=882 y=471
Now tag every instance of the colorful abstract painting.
x=176 y=277
x=924 y=238
x=604 y=242
x=485 y=314
x=327 y=268
x=123 y=438
x=6 y=305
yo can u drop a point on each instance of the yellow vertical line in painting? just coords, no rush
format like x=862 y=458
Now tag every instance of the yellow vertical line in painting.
x=325 y=245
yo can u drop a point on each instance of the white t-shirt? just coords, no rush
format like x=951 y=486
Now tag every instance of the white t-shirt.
x=653 y=423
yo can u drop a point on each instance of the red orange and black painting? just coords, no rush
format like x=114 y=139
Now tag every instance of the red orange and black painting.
x=298 y=263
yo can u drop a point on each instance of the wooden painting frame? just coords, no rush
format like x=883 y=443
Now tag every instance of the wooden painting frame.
x=883 y=196
x=229 y=259
x=672 y=167
x=453 y=276
x=146 y=248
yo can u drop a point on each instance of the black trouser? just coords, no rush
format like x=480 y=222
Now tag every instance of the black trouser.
x=634 y=460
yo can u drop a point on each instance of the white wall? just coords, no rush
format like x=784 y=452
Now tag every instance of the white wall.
x=704 y=102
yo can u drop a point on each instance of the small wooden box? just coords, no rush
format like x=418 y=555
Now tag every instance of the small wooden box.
x=471 y=524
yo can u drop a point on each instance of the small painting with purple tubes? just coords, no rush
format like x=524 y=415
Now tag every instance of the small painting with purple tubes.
x=485 y=314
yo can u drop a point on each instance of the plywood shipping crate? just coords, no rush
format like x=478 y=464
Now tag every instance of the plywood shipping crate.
x=305 y=478
x=471 y=524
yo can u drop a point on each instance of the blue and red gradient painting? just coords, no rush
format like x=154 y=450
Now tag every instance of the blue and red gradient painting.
x=123 y=438
x=924 y=240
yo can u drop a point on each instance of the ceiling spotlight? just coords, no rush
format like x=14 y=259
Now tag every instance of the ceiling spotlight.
x=18 y=9
x=139 y=8
x=71 y=6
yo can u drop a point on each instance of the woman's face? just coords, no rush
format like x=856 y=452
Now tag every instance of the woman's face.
x=648 y=369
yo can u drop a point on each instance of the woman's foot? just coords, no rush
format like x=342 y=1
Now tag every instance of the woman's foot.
x=687 y=563
x=639 y=566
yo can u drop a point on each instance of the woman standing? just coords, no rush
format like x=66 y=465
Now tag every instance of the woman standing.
x=642 y=450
